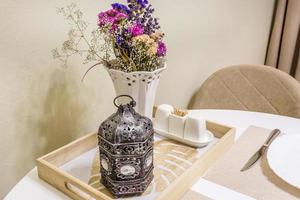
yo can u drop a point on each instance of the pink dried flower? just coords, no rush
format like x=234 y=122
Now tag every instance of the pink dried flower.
x=111 y=18
x=162 y=49
x=136 y=30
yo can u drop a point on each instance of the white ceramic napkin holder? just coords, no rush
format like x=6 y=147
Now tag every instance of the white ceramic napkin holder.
x=186 y=129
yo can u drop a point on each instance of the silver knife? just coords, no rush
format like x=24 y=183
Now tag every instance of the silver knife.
x=261 y=150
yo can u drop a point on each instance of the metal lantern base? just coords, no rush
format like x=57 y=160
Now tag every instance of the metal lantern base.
x=128 y=188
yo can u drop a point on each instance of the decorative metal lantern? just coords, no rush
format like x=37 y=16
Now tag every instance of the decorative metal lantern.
x=126 y=151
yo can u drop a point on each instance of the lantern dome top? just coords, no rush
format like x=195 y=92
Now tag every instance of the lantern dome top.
x=126 y=126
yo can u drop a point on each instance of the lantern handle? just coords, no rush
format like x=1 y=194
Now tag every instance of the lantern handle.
x=132 y=102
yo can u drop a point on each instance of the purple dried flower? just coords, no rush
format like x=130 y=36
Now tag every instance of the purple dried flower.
x=143 y=16
x=120 y=40
x=140 y=3
x=121 y=7
x=136 y=30
x=162 y=49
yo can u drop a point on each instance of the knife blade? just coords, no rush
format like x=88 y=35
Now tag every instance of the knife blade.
x=252 y=160
x=255 y=157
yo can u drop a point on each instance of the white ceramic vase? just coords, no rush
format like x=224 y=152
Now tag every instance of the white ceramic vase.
x=141 y=85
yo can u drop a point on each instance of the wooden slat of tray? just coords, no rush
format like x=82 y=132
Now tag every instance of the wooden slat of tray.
x=182 y=184
x=48 y=166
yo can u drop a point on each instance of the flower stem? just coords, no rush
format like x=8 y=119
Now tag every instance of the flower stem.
x=82 y=79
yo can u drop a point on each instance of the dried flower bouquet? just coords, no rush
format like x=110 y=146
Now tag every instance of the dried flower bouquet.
x=128 y=38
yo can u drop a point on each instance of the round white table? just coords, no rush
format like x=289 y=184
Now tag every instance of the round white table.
x=33 y=188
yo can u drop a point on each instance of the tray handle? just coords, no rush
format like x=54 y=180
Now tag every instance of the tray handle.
x=76 y=190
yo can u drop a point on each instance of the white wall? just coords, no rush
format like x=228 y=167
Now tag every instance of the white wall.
x=43 y=106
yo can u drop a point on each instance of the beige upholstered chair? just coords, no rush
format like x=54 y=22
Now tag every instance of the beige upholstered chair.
x=250 y=87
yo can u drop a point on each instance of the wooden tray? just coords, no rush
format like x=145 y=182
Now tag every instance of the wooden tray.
x=49 y=171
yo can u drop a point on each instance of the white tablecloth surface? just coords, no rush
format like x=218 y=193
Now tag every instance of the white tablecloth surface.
x=31 y=187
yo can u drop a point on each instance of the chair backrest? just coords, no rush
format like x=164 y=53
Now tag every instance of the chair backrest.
x=250 y=87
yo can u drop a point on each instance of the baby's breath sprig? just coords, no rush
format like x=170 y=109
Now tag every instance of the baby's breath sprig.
x=96 y=49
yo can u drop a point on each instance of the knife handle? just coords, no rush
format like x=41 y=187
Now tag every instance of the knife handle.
x=270 y=139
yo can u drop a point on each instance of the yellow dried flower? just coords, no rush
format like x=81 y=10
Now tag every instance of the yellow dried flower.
x=157 y=35
x=142 y=38
x=180 y=112
x=149 y=42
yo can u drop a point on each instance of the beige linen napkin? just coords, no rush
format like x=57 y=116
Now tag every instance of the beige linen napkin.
x=260 y=181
